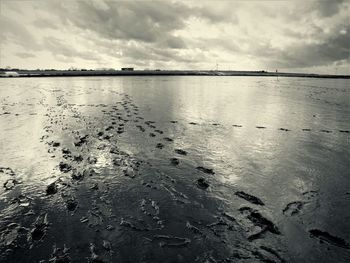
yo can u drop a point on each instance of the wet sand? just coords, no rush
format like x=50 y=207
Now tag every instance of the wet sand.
x=174 y=169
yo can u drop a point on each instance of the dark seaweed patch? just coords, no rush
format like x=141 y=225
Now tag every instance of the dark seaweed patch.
x=7 y=170
x=293 y=208
x=160 y=145
x=205 y=170
x=64 y=167
x=202 y=183
x=141 y=128
x=71 y=204
x=66 y=151
x=181 y=152
x=283 y=129
x=259 y=220
x=250 y=198
x=10 y=184
x=55 y=144
x=82 y=140
x=51 y=189
x=328 y=238
x=78 y=158
x=172 y=241
x=174 y=161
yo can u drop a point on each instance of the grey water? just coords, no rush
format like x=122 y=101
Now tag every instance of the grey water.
x=174 y=169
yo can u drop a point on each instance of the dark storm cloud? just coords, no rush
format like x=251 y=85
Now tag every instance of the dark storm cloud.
x=144 y=30
x=146 y=21
x=301 y=10
x=143 y=21
x=332 y=49
x=329 y=8
x=321 y=49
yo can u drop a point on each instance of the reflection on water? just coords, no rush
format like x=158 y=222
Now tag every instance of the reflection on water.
x=174 y=169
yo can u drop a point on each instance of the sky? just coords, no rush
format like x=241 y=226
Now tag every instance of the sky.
x=291 y=36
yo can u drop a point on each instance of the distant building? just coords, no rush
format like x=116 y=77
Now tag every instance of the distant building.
x=127 y=69
x=11 y=74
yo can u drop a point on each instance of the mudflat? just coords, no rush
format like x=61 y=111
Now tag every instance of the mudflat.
x=174 y=169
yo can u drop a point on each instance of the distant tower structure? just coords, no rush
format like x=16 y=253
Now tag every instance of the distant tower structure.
x=217 y=66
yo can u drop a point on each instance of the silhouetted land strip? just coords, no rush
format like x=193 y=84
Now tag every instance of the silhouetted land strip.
x=79 y=73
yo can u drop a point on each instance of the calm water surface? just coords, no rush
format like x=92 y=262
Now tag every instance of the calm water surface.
x=174 y=169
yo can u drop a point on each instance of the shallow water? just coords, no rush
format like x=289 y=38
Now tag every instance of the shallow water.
x=174 y=169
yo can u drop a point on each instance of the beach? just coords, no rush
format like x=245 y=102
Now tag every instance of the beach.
x=174 y=169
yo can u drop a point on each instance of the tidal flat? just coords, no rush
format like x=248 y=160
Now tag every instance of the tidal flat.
x=174 y=169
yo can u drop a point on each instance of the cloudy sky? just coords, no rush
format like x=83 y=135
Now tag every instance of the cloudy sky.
x=299 y=36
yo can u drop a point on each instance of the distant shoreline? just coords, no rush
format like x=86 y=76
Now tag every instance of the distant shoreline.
x=92 y=73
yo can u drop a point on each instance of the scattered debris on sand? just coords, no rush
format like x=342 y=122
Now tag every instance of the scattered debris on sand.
x=114 y=184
